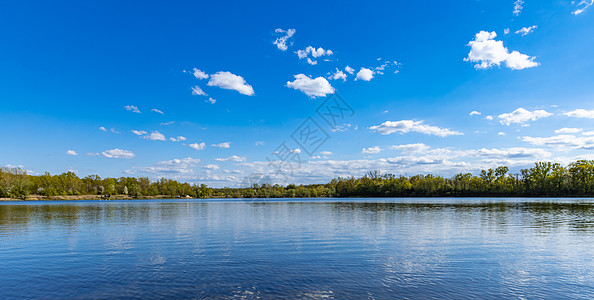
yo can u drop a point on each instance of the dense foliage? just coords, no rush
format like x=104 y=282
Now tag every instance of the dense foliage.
x=543 y=179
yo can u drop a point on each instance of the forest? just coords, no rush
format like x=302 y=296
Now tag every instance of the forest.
x=544 y=179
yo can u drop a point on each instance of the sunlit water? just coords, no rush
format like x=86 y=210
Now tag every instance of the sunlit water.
x=332 y=248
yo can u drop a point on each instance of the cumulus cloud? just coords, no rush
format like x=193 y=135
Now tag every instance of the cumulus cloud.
x=132 y=108
x=224 y=145
x=197 y=91
x=199 y=74
x=349 y=70
x=281 y=42
x=71 y=152
x=487 y=52
x=231 y=158
x=259 y=143
x=157 y=111
x=315 y=53
x=179 y=138
x=155 y=136
x=364 y=74
x=102 y=129
x=582 y=6
x=371 y=150
x=139 y=132
x=318 y=87
x=118 y=153
x=521 y=116
x=230 y=81
x=581 y=113
x=197 y=146
x=526 y=30
x=474 y=113
x=338 y=75
x=406 y=126
x=518 y=7
x=211 y=100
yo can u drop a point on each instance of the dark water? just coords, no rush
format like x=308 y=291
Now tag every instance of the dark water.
x=330 y=249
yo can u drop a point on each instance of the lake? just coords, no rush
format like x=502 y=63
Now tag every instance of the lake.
x=298 y=249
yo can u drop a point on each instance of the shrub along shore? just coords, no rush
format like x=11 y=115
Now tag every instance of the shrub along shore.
x=544 y=179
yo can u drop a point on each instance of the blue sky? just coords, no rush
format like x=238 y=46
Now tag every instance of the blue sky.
x=108 y=88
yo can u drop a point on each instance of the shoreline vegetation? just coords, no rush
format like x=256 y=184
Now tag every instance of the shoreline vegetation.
x=544 y=179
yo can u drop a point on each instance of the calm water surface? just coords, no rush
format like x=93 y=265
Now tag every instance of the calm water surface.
x=326 y=248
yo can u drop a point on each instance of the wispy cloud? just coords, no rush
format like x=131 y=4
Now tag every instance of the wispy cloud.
x=406 y=126
x=132 y=108
x=281 y=42
x=118 y=153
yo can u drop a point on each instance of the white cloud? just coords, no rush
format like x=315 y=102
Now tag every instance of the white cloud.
x=315 y=53
x=568 y=130
x=199 y=74
x=179 y=138
x=114 y=131
x=318 y=87
x=489 y=117
x=259 y=143
x=71 y=152
x=297 y=150
x=521 y=116
x=139 y=132
x=170 y=167
x=224 y=145
x=157 y=111
x=349 y=70
x=92 y=154
x=281 y=42
x=583 y=5
x=211 y=100
x=506 y=31
x=132 y=108
x=501 y=133
x=118 y=153
x=518 y=7
x=563 y=141
x=364 y=74
x=411 y=148
x=474 y=113
x=371 y=150
x=588 y=133
x=155 y=136
x=197 y=146
x=487 y=52
x=197 y=91
x=338 y=75
x=326 y=153
x=581 y=113
x=526 y=30
x=406 y=126
x=102 y=129
x=167 y=123
x=231 y=158
x=212 y=167
x=230 y=81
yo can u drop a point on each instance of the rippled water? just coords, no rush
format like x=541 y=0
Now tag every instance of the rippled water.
x=336 y=248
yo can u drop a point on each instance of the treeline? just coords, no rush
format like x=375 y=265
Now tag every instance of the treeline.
x=544 y=179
